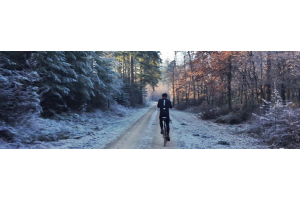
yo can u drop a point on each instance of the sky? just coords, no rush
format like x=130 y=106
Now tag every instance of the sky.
x=170 y=55
x=167 y=54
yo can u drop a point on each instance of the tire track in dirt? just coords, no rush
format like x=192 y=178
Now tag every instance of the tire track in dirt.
x=132 y=137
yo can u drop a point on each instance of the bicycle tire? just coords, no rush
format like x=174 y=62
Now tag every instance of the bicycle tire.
x=165 y=137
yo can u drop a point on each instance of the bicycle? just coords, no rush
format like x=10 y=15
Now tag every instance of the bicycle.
x=164 y=130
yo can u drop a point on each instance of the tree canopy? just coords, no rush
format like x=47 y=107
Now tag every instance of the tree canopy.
x=53 y=82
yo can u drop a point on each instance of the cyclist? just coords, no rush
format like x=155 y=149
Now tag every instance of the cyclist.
x=164 y=104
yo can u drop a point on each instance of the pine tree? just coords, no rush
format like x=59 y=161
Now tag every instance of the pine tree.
x=108 y=83
x=18 y=92
x=144 y=70
x=82 y=86
x=56 y=77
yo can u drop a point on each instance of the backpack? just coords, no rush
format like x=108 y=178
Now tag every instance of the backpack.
x=164 y=109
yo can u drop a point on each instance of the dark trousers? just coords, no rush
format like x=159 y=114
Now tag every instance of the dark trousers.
x=167 y=123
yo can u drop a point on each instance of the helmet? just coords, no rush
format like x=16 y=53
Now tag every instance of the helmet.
x=164 y=95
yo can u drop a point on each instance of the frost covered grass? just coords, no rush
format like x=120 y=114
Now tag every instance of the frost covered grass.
x=86 y=130
x=277 y=123
x=275 y=127
x=191 y=132
x=278 y=129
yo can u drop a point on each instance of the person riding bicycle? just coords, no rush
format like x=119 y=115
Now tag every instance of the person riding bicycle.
x=164 y=104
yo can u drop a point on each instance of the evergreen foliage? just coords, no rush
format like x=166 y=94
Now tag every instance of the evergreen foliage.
x=53 y=82
x=18 y=91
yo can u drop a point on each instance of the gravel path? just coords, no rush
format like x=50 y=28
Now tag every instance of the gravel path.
x=143 y=134
x=187 y=132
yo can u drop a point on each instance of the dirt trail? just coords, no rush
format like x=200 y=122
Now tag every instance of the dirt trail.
x=187 y=132
x=144 y=133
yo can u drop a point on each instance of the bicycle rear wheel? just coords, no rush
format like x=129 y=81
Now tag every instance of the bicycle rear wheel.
x=165 y=134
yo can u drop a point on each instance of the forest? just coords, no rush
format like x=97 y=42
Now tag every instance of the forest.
x=234 y=86
x=228 y=87
x=49 y=83
x=234 y=78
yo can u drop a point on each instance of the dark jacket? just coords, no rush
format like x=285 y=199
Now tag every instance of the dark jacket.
x=164 y=105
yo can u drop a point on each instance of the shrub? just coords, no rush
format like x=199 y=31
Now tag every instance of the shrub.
x=234 y=117
x=210 y=114
x=223 y=110
x=182 y=106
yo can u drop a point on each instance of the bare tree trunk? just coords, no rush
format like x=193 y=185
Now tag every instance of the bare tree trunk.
x=198 y=92
x=177 y=94
x=174 y=79
x=268 y=78
x=288 y=86
x=132 y=96
x=212 y=96
x=185 y=79
x=282 y=85
x=193 y=81
x=123 y=66
x=202 y=90
x=241 y=94
x=229 y=86
x=128 y=70
x=256 y=85
x=189 y=89
x=245 y=89
x=134 y=75
x=262 y=94
x=141 y=86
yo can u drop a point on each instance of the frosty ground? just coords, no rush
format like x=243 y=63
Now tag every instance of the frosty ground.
x=84 y=131
x=135 y=129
